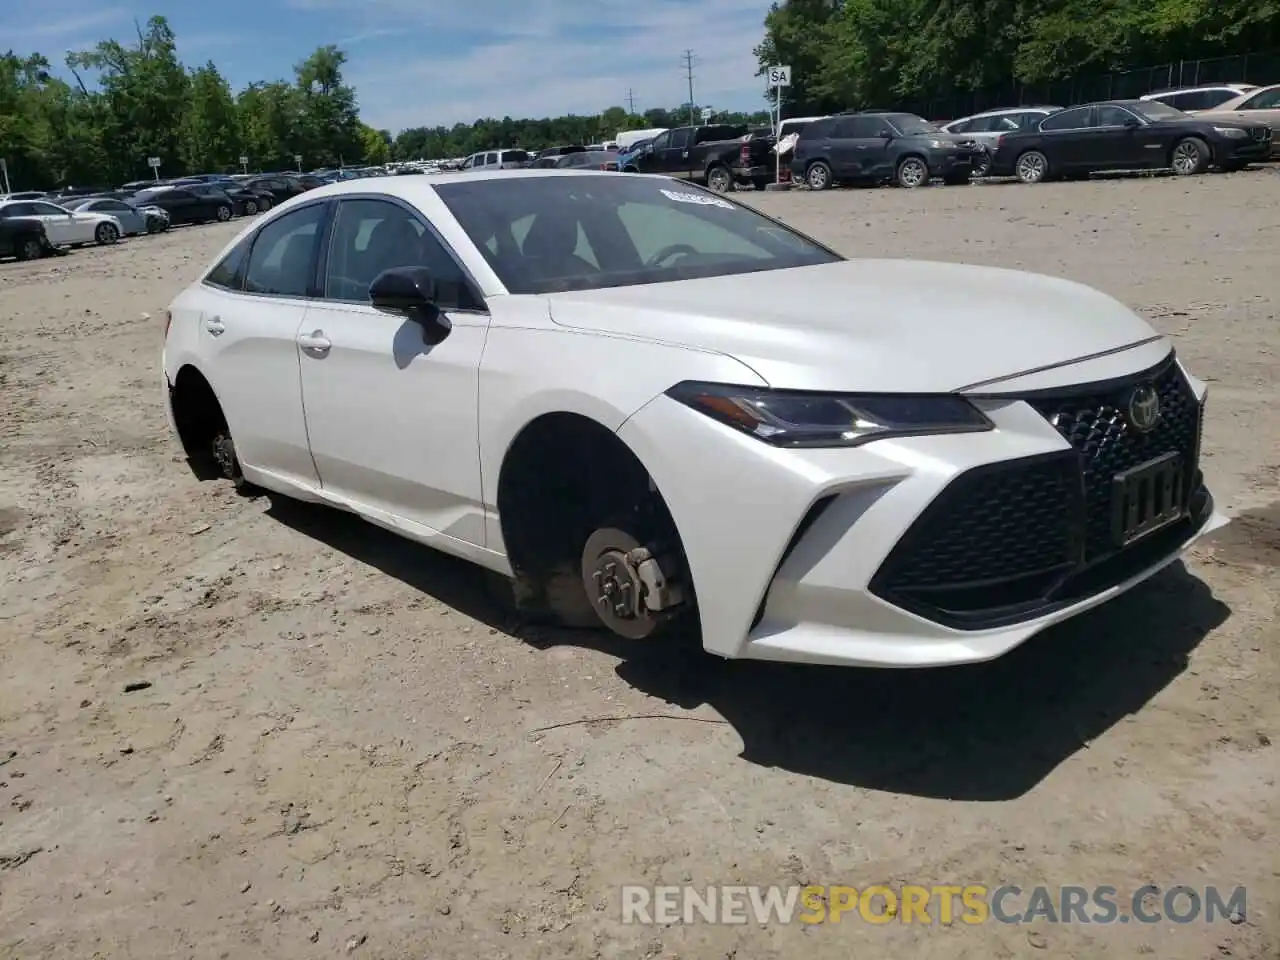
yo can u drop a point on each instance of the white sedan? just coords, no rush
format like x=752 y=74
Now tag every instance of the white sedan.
x=65 y=228
x=645 y=403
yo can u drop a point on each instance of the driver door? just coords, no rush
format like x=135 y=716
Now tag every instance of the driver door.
x=392 y=422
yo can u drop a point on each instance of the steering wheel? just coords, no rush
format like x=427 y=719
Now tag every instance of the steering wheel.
x=669 y=251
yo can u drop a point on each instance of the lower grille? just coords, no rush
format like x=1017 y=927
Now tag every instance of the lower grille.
x=1009 y=540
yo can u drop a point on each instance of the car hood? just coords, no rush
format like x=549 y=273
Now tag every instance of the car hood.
x=874 y=325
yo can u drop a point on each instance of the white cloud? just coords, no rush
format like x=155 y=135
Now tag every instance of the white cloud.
x=544 y=62
x=49 y=25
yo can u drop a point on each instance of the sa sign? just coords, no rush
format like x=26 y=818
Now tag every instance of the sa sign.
x=779 y=76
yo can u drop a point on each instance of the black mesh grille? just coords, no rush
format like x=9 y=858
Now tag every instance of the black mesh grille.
x=1096 y=424
x=1009 y=540
x=1014 y=521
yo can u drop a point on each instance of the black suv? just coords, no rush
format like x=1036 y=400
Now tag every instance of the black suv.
x=873 y=147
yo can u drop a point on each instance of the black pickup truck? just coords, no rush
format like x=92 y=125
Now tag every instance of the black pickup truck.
x=717 y=155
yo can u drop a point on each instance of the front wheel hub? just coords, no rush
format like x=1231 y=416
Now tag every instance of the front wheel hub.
x=630 y=588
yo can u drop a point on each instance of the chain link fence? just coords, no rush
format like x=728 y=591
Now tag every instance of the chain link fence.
x=1261 y=68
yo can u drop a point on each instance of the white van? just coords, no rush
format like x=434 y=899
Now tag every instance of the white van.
x=627 y=137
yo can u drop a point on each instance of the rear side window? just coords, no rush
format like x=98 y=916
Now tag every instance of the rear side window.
x=229 y=273
x=1067 y=120
x=680 y=138
x=283 y=254
x=817 y=130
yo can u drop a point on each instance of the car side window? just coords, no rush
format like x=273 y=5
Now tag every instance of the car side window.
x=662 y=141
x=370 y=236
x=680 y=139
x=17 y=210
x=47 y=209
x=280 y=262
x=1109 y=116
x=962 y=126
x=1266 y=100
x=1067 y=119
x=1029 y=121
x=113 y=205
x=229 y=273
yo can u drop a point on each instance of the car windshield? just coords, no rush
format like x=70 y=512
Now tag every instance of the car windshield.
x=909 y=125
x=547 y=234
x=1155 y=110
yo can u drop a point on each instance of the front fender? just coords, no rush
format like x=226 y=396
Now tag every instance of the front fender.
x=529 y=372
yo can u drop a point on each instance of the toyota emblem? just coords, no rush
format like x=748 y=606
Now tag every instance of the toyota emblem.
x=1144 y=408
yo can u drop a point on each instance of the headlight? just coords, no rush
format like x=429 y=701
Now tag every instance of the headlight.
x=1234 y=132
x=788 y=418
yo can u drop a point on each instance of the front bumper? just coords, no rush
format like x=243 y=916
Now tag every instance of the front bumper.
x=835 y=556
x=1257 y=148
x=949 y=163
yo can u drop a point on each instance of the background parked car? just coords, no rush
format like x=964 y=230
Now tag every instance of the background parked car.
x=22 y=237
x=719 y=155
x=63 y=227
x=277 y=186
x=1189 y=99
x=585 y=160
x=1256 y=107
x=873 y=147
x=511 y=159
x=133 y=220
x=987 y=127
x=185 y=206
x=1127 y=135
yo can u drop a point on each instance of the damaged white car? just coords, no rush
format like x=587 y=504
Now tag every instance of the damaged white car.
x=646 y=404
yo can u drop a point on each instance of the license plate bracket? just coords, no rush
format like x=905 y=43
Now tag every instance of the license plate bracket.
x=1147 y=497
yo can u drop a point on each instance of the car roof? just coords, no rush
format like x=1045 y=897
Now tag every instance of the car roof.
x=1238 y=87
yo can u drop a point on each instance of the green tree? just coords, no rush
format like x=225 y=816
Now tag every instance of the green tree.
x=208 y=138
x=144 y=91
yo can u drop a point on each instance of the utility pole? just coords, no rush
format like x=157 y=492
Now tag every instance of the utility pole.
x=631 y=101
x=688 y=71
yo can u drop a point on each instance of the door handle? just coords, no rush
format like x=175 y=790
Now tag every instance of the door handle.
x=314 y=342
x=215 y=326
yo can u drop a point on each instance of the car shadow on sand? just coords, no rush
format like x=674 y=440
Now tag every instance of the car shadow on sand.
x=989 y=731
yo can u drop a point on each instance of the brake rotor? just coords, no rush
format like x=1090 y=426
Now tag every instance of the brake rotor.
x=613 y=586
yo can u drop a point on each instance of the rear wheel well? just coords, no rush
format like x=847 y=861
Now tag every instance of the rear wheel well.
x=198 y=417
x=564 y=477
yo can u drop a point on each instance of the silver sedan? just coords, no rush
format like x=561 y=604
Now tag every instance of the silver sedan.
x=133 y=220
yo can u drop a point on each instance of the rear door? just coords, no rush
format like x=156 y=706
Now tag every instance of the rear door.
x=1065 y=139
x=250 y=332
x=857 y=150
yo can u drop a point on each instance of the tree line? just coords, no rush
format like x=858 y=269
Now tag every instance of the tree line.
x=861 y=54
x=123 y=102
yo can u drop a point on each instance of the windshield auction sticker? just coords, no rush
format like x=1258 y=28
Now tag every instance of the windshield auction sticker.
x=701 y=199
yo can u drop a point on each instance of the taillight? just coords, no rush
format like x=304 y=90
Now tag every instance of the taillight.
x=168 y=319
x=744 y=155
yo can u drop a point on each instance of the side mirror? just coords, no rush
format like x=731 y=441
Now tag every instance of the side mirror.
x=886 y=134
x=411 y=293
x=1132 y=123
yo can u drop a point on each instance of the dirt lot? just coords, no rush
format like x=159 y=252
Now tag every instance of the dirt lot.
x=343 y=748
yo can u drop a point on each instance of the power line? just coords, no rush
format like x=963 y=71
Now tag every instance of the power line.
x=631 y=101
x=688 y=70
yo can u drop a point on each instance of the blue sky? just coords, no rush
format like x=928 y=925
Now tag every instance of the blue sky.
x=416 y=62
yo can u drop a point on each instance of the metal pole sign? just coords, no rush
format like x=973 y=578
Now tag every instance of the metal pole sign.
x=297 y=158
x=154 y=164
x=244 y=164
x=779 y=77
x=706 y=114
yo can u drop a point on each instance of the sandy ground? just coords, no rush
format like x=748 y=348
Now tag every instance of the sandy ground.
x=343 y=750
